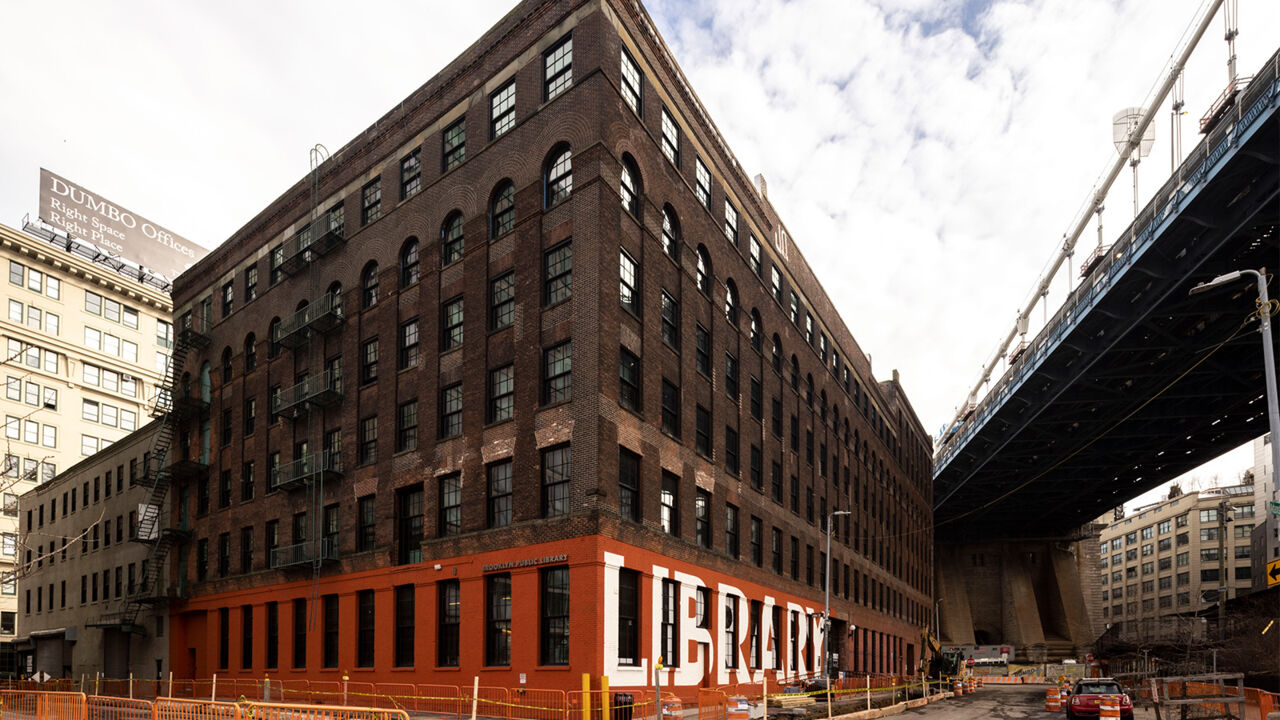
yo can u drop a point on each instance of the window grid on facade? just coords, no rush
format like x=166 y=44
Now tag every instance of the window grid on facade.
x=499 y=494
x=555 y=481
x=559 y=178
x=410 y=174
x=557 y=69
x=502 y=212
x=452 y=242
x=502 y=304
x=371 y=201
x=629 y=395
x=502 y=110
x=557 y=373
x=497 y=616
x=670 y=321
x=451 y=333
x=628 y=485
x=451 y=411
x=558 y=273
x=630 y=82
x=454 y=145
x=627 y=295
x=501 y=394
x=670 y=138
x=554 y=630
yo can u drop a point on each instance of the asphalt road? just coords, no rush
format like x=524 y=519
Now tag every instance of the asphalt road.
x=997 y=702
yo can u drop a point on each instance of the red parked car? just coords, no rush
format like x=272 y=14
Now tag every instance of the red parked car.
x=1088 y=692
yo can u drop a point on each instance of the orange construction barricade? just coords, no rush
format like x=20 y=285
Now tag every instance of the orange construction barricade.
x=1052 y=700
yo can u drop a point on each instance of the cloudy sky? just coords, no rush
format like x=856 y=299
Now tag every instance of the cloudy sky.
x=927 y=155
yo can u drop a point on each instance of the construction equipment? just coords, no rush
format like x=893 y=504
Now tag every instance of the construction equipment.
x=938 y=662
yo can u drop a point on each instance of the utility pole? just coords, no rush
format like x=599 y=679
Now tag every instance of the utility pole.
x=1222 y=570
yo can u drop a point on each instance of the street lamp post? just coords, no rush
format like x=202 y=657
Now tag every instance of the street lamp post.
x=1268 y=361
x=826 y=602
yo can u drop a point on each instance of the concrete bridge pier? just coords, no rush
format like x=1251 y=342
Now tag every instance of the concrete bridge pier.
x=1022 y=593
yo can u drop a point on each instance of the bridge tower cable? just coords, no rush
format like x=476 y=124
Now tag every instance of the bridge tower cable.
x=1099 y=195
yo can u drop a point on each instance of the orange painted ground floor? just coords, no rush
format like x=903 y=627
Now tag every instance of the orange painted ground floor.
x=538 y=616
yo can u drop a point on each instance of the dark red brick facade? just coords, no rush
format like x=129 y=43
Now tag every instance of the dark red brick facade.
x=858 y=446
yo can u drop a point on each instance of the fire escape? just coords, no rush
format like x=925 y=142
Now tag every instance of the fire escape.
x=304 y=333
x=176 y=404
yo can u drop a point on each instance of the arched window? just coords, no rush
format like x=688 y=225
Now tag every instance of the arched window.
x=250 y=353
x=452 y=244
x=808 y=395
x=369 y=286
x=409 y=263
x=670 y=233
x=731 y=301
x=777 y=354
x=795 y=373
x=226 y=364
x=629 y=186
x=756 y=340
x=557 y=175
x=273 y=332
x=704 y=271
x=822 y=407
x=835 y=417
x=502 y=209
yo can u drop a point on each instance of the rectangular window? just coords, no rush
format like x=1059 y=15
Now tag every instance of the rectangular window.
x=502 y=304
x=454 y=145
x=670 y=138
x=556 y=472
x=273 y=635
x=499 y=494
x=502 y=110
x=246 y=549
x=366 y=530
x=628 y=485
x=408 y=355
x=450 y=505
x=501 y=394
x=251 y=283
x=670 y=322
x=407 y=426
x=557 y=69
x=451 y=411
x=404 y=626
x=776 y=550
x=702 y=518
x=670 y=508
x=731 y=449
x=246 y=637
x=331 y=629
x=368 y=440
x=451 y=325
x=731 y=530
x=730 y=223
x=299 y=633
x=702 y=431
x=224 y=637
x=410 y=174
x=731 y=631
x=558 y=273
x=629 y=395
x=630 y=87
x=497 y=619
x=627 y=295
x=554 y=641
x=409 y=524
x=448 y=620
x=364 y=628
x=670 y=409
x=557 y=374
x=628 y=617
x=670 y=631
x=701 y=349
x=369 y=361
x=753 y=258
x=371 y=201
x=702 y=182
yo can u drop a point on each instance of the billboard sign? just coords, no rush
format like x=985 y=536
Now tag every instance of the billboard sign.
x=88 y=216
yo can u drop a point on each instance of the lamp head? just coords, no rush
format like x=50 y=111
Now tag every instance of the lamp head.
x=1216 y=282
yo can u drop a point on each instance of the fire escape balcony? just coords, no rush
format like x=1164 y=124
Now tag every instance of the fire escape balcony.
x=321 y=390
x=185 y=468
x=194 y=331
x=320 y=237
x=304 y=553
x=322 y=317
x=321 y=466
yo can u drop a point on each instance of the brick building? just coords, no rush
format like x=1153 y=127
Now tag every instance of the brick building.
x=536 y=383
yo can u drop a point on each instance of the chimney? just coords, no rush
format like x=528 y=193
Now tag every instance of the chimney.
x=762 y=186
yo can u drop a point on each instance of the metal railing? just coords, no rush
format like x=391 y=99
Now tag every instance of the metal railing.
x=304 y=552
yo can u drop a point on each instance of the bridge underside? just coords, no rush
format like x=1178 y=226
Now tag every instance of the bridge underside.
x=1147 y=384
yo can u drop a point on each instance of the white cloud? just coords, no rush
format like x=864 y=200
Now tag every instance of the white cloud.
x=927 y=155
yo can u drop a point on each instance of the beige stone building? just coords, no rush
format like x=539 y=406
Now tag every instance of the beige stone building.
x=1162 y=563
x=86 y=340
x=75 y=609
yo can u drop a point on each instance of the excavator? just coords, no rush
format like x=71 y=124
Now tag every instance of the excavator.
x=938 y=662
